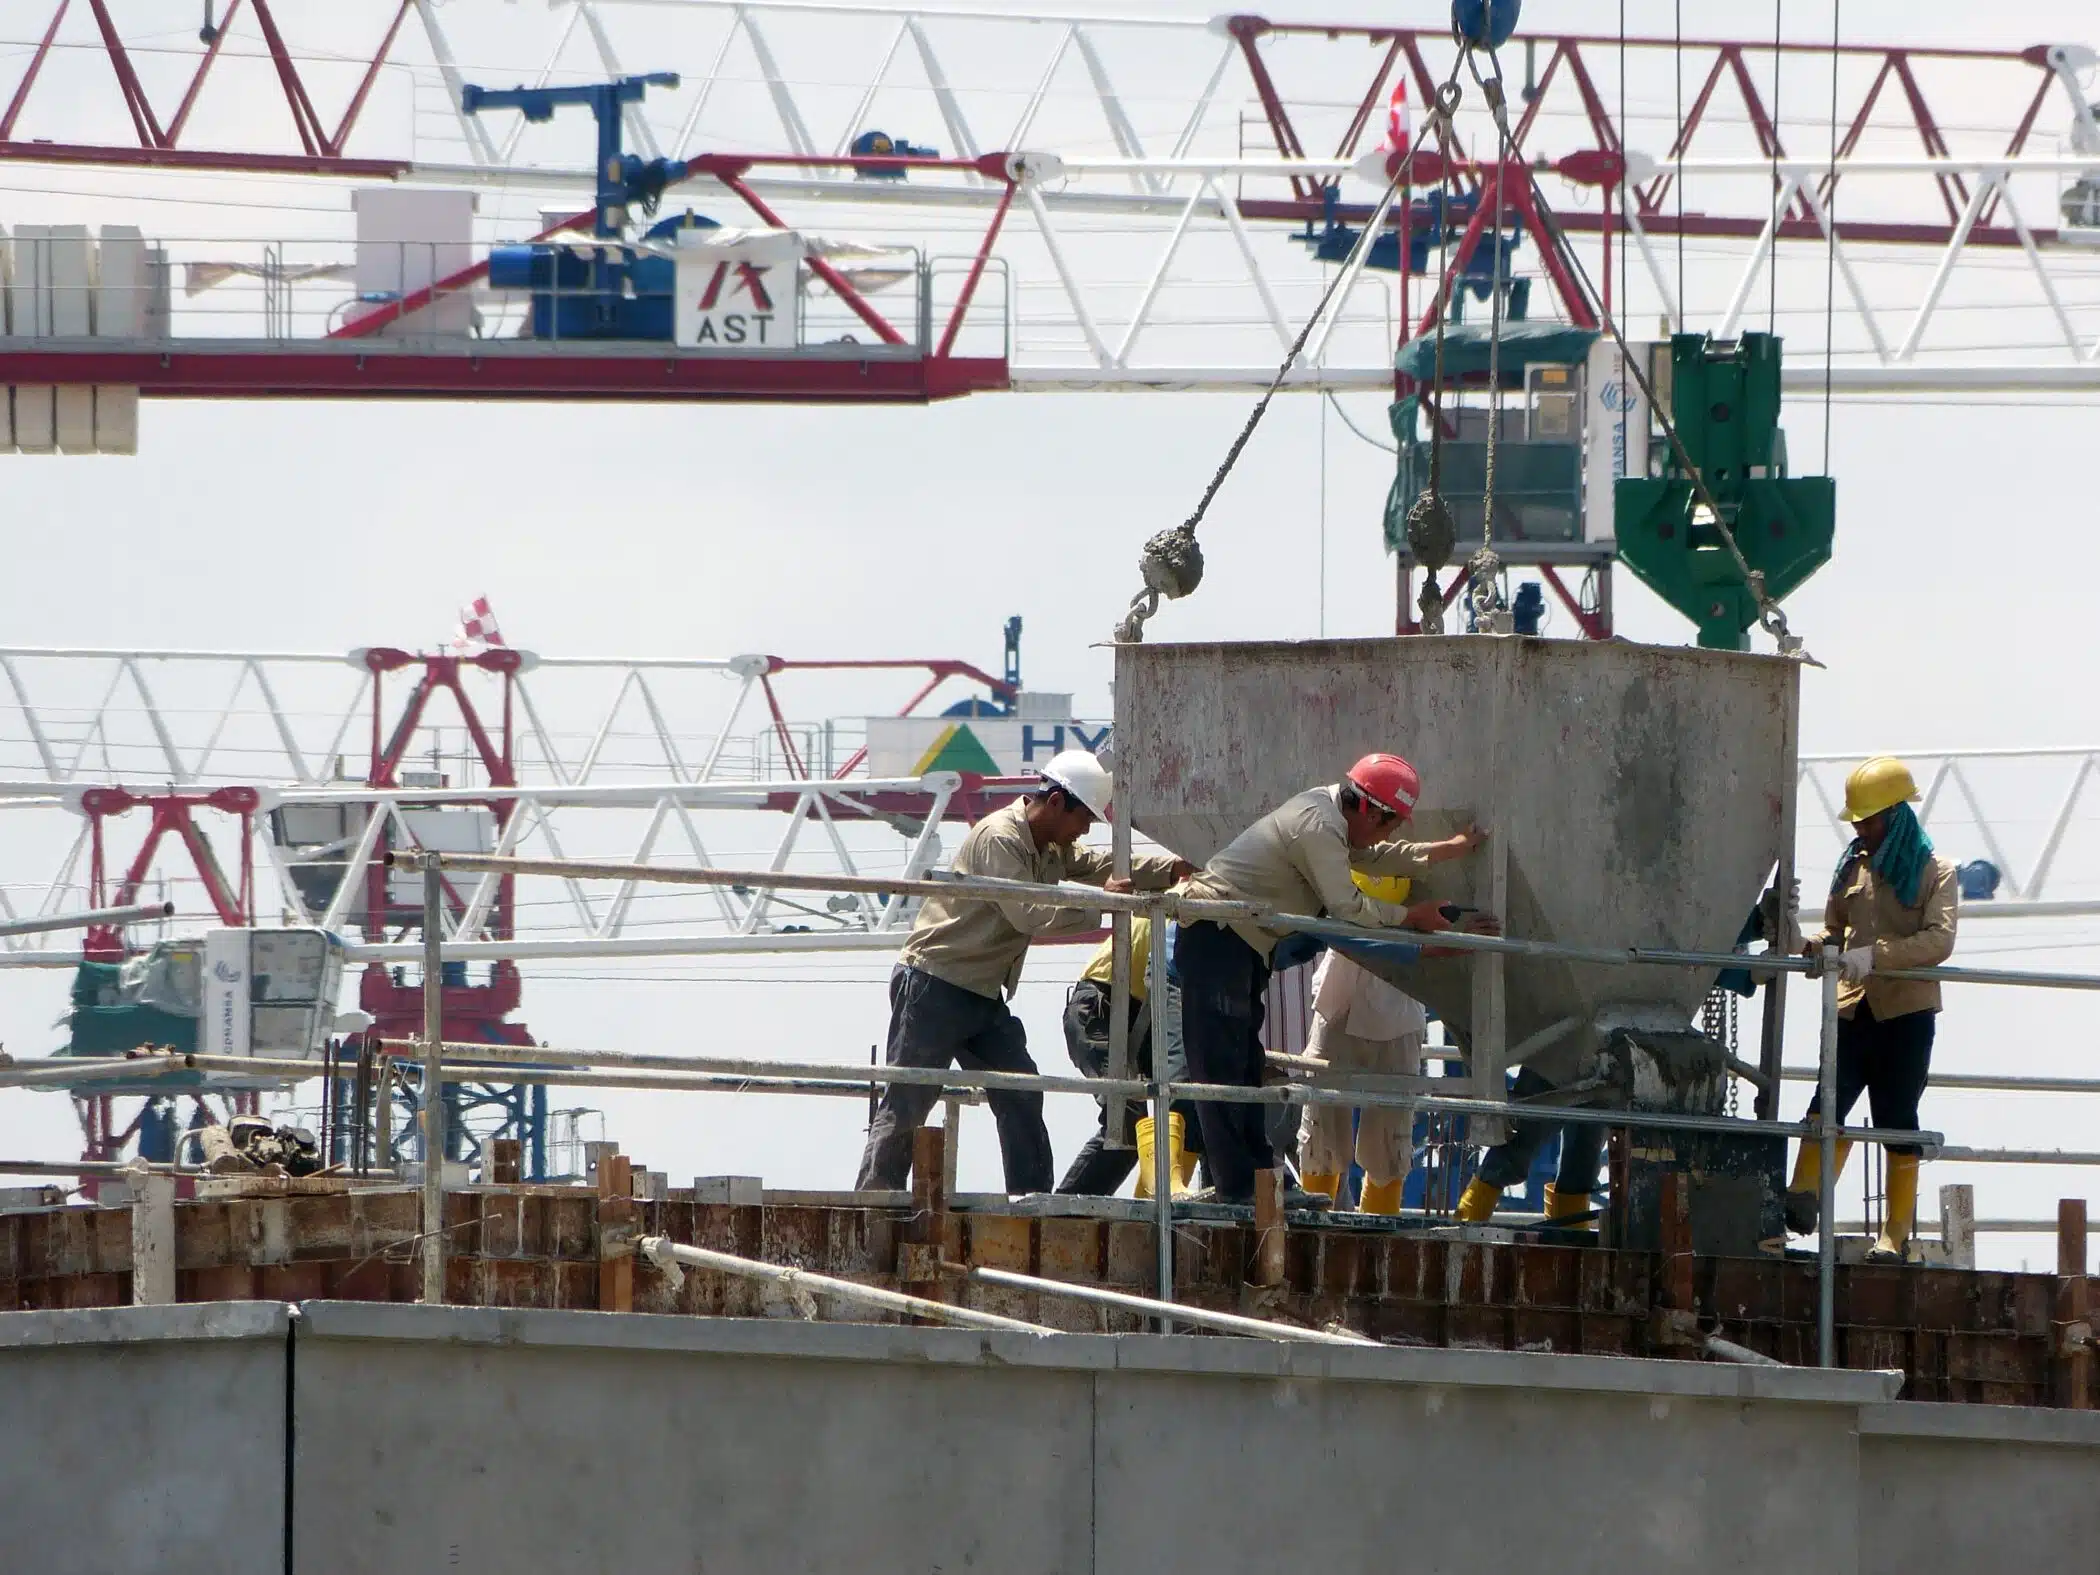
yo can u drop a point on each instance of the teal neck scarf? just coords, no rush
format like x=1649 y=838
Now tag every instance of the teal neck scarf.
x=1902 y=859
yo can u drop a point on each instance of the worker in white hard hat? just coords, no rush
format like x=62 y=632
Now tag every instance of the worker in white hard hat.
x=1893 y=904
x=1362 y=1023
x=959 y=967
x=1298 y=859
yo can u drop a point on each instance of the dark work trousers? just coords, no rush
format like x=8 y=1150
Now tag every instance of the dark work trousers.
x=935 y=1023
x=1890 y=1060
x=1581 y=1145
x=1224 y=984
x=1098 y=1170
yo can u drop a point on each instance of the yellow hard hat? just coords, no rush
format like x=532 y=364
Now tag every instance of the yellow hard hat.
x=1878 y=784
x=1382 y=888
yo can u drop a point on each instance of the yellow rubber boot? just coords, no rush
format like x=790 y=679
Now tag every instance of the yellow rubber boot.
x=1565 y=1205
x=1176 y=1159
x=1476 y=1205
x=1179 y=1160
x=1320 y=1181
x=1803 y=1192
x=1894 y=1244
x=1381 y=1197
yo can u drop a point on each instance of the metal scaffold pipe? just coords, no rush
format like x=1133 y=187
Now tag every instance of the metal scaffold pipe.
x=855 y=1081
x=1092 y=899
x=132 y=913
x=1226 y=1323
x=801 y=1284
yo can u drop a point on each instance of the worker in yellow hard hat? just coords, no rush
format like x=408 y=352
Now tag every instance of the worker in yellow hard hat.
x=1100 y=1168
x=1893 y=904
x=1360 y=1023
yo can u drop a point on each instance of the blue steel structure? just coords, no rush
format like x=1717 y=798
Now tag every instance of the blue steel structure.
x=607 y=291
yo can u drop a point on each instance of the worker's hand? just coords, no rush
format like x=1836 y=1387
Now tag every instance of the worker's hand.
x=1466 y=841
x=1120 y=885
x=1482 y=923
x=1428 y=917
x=1183 y=870
x=1856 y=964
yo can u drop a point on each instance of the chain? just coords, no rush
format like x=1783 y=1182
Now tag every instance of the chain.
x=1172 y=563
x=1769 y=616
x=1431 y=533
x=1484 y=569
x=1718 y=1020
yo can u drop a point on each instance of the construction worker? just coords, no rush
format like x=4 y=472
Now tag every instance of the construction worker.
x=1360 y=1023
x=1298 y=859
x=1098 y=1170
x=1893 y=904
x=959 y=967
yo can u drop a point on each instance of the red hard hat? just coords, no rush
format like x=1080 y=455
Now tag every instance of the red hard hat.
x=1387 y=781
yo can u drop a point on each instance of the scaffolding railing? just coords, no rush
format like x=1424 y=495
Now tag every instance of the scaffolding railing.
x=442 y=1061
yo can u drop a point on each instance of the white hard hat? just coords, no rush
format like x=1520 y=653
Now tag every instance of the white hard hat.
x=1083 y=777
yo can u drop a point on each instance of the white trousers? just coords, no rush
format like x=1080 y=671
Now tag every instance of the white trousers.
x=1385 y=1134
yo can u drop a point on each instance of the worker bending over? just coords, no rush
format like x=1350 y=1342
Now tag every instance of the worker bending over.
x=1098 y=1169
x=959 y=967
x=1298 y=859
x=1360 y=1023
x=1893 y=904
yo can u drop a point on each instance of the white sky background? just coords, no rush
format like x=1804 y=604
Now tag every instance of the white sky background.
x=1957 y=611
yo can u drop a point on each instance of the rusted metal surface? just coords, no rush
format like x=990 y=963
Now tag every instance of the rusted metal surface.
x=1990 y=1338
x=1637 y=792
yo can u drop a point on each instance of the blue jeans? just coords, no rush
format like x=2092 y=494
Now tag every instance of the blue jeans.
x=1888 y=1060
x=935 y=1023
x=1581 y=1147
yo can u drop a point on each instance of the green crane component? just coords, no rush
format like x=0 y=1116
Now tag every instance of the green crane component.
x=1724 y=401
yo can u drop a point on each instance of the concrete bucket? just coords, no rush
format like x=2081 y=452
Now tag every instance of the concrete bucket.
x=1636 y=796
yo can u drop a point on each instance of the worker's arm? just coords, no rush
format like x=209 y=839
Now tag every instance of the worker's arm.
x=1396 y=858
x=1934 y=942
x=1451 y=847
x=1325 y=863
x=1148 y=871
x=1009 y=858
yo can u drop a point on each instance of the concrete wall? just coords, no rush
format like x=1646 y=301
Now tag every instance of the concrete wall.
x=143 y=1439
x=2014 y=1489
x=496 y=1441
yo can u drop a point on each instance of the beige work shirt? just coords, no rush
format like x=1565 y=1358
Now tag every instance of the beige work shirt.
x=1297 y=859
x=1863 y=911
x=978 y=946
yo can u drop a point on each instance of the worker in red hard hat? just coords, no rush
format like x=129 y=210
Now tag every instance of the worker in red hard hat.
x=959 y=967
x=1299 y=859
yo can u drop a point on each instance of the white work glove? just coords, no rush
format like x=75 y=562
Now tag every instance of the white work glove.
x=1856 y=964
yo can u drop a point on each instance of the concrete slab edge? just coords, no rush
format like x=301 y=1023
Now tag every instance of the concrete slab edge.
x=1988 y=1424
x=1134 y=1354
x=185 y=1321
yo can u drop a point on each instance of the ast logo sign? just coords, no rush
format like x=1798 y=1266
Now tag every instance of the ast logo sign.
x=738 y=295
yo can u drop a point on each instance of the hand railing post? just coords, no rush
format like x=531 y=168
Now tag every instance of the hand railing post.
x=433 y=1081
x=1826 y=1185
x=1160 y=1006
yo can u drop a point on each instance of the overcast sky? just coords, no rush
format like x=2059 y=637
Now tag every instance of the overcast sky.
x=1957 y=611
